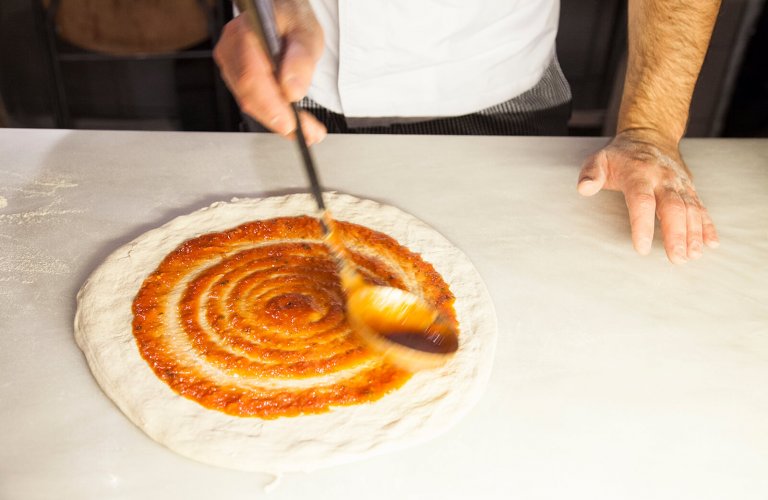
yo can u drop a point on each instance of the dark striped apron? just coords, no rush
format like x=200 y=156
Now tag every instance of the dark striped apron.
x=542 y=110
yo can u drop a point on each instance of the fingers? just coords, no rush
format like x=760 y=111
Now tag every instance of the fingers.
x=694 y=229
x=314 y=130
x=250 y=76
x=641 y=203
x=656 y=184
x=248 y=73
x=303 y=47
x=673 y=217
x=698 y=229
x=709 y=232
x=593 y=174
x=296 y=71
x=685 y=223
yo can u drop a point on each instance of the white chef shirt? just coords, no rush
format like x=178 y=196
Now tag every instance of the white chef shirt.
x=430 y=58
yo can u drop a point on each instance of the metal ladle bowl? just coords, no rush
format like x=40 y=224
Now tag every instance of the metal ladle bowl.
x=399 y=325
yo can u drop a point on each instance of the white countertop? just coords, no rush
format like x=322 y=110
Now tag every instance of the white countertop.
x=616 y=376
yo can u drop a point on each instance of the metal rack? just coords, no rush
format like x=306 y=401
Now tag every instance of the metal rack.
x=60 y=54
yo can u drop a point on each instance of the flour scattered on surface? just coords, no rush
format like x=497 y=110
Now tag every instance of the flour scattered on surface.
x=32 y=263
x=46 y=186
x=37 y=215
x=23 y=263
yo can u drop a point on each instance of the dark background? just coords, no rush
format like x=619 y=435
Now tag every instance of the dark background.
x=45 y=82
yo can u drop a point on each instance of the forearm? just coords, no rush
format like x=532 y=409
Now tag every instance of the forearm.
x=668 y=40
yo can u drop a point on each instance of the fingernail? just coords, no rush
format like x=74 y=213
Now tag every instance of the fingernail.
x=586 y=178
x=713 y=243
x=587 y=186
x=315 y=134
x=679 y=255
x=644 y=246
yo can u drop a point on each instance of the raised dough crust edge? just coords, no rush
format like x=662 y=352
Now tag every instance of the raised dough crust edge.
x=427 y=405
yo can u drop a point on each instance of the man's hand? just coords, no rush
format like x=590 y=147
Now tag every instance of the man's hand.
x=247 y=72
x=655 y=183
x=667 y=43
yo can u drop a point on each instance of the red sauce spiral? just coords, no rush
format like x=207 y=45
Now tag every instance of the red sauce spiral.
x=250 y=321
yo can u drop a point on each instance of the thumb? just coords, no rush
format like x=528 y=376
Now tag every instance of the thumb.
x=593 y=174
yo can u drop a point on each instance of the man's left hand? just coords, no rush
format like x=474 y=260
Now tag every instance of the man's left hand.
x=656 y=183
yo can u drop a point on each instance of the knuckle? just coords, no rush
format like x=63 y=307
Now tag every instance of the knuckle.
x=671 y=202
x=230 y=30
x=243 y=83
x=226 y=31
x=643 y=201
x=675 y=204
x=224 y=47
x=698 y=205
x=695 y=227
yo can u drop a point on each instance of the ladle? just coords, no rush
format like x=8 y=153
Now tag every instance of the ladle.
x=397 y=324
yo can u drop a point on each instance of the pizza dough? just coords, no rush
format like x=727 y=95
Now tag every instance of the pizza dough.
x=426 y=405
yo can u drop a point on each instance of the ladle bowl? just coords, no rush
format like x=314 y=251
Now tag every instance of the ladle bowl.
x=401 y=327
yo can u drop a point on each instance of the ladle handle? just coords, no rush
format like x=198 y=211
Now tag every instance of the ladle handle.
x=262 y=15
x=309 y=164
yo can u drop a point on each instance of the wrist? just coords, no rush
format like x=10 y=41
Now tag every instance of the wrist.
x=647 y=143
x=649 y=134
x=664 y=124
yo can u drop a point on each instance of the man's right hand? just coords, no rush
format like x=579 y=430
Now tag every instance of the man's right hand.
x=249 y=75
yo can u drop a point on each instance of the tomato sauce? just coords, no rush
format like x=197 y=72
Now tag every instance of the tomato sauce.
x=251 y=321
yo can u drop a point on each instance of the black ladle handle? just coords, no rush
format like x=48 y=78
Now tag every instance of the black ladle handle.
x=262 y=14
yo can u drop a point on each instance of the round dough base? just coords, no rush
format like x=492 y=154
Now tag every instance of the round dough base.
x=429 y=404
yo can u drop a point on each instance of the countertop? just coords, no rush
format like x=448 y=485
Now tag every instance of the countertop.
x=616 y=375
